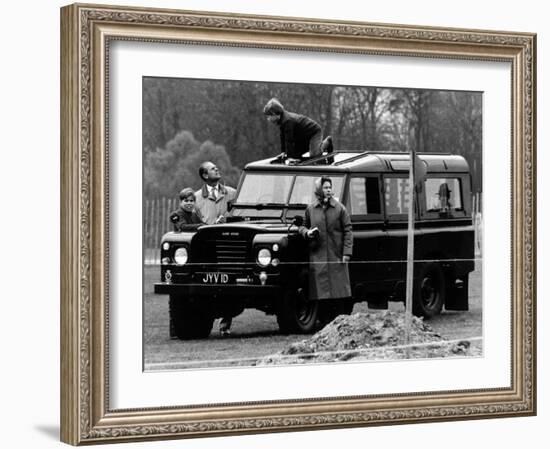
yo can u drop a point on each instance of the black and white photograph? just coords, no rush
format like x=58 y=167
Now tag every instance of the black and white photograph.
x=278 y=228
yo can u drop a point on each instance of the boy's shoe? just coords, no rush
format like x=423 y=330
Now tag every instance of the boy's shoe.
x=225 y=333
x=327 y=146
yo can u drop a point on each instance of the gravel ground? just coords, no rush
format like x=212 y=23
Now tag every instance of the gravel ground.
x=363 y=336
x=256 y=335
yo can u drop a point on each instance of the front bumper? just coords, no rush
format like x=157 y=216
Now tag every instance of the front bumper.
x=215 y=290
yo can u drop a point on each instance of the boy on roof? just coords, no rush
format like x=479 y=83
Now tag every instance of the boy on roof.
x=299 y=134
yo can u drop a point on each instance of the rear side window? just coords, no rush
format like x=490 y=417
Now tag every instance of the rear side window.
x=396 y=196
x=443 y=195
x=364 y=196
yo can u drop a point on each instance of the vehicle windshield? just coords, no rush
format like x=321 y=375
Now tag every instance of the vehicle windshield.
x=274 y=189
x=264 y=189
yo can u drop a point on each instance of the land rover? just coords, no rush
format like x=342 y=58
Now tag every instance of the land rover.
x=258 y=259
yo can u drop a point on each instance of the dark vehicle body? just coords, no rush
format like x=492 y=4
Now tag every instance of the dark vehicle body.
x=259 y=260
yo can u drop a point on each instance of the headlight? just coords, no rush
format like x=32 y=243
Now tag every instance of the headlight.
x=181 y=256
x=264 y=257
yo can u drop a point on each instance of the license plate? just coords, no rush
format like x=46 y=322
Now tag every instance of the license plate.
x=214 y=278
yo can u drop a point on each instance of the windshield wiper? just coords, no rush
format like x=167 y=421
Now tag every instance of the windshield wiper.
x=259 y=206
x=268 y=206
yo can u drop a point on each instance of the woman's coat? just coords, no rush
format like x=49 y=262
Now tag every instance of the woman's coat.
x=328 y=275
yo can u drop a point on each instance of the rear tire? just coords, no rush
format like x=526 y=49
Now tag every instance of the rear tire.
x=188 y=319
x=429 y=291
x=297 y=314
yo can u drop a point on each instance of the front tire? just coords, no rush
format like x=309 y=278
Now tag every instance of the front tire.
x=297 y=314
x=429 y=291
x=188 y=319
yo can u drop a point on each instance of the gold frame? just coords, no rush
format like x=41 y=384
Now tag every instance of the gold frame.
x=86 y=32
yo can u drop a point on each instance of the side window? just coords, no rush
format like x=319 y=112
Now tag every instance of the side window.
x=364 y=196
x=443 y=195
x=396 y=196
x=302 y=192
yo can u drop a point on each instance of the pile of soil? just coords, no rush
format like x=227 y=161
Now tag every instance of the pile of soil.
x=378 y=335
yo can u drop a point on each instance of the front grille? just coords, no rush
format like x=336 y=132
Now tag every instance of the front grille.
x=228 y=253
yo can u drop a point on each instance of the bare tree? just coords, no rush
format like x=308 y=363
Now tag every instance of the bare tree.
x=229 y=113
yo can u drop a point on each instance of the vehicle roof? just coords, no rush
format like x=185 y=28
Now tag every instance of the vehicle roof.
x=386 y=162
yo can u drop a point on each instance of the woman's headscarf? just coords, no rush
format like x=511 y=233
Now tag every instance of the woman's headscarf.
x=318 y=190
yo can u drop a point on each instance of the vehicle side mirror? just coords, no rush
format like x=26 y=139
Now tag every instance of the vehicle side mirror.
x=298 y=220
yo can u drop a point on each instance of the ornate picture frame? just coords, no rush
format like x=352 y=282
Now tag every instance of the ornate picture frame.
x=87 y=33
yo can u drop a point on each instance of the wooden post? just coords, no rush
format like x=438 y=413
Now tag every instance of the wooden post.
x=145 y=228
x=477 y=222
x=152 y=242
x=410 y=250
x=156 y=221
x=162 y=215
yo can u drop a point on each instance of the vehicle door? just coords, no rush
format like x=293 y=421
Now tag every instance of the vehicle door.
x=364 y=204
x=445 y=230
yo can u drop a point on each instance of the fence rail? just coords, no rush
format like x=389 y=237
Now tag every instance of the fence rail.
x=156 y=223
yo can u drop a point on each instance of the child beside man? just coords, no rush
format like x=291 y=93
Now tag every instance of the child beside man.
x=186 y=216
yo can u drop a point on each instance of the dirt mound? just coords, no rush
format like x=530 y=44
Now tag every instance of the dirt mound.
x=369 y=336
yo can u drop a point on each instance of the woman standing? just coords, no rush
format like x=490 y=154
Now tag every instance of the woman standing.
x=327 y=226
